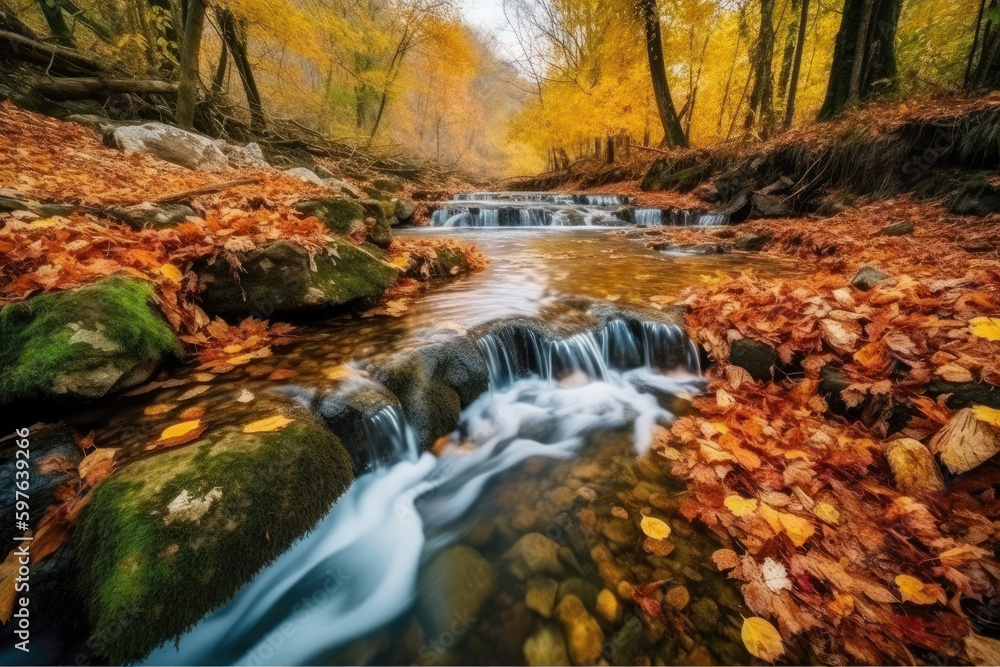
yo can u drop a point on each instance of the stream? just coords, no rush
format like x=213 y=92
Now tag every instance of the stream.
x=519 y=542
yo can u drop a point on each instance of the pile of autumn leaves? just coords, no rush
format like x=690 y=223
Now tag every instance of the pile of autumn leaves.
x=848 y=567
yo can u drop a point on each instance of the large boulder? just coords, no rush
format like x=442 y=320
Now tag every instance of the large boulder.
x=405 y=211
x=82 y=343
x=755 y=357
x=250 y=155
x=305 y=175
x=171 y=537
x=434 y=383
x=384 y=215
x=282 y=278
x=343 y=216
x=172 y=144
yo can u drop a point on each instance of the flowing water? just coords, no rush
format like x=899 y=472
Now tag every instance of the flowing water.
x=519 y=541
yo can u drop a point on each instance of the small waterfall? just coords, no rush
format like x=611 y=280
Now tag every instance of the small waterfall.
x=390 y=437
x=648 y=217
x=711 y=219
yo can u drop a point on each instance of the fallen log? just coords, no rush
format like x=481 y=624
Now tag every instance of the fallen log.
x=76 y=88
x=54 y=58
x=202 y=190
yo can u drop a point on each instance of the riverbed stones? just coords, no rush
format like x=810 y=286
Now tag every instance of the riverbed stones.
x=584 y=637
x=455 y=586
x=172 y=144
x=753 y=356
x=546 y=647
x=282 y=278
x=913 y=467
x=83 y=343
x=434 y=383
x=171 y=537
x=704 y=615
x=533 y=554
x=867 y=278
x=904 y=228
x=305 y=175
x=608 y=607
x=540 y=595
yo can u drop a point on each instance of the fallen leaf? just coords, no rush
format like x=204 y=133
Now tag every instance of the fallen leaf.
x=171 y=273
x=919 y=592
x=725 y=559
x=762 y=639
x=985 y=327
x=96 y=465
x=654 y=528
x=265 y=425
x=740 y=506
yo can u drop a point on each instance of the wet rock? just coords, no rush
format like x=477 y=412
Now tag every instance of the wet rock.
x=913 y=467
x=546 y=647
x=581 y=588
x=434 y=383
x=625 y=590
x=534 y=554
x=677 y=597
x=584 y=637
x=904 y=228
x=867 y=277
x=541 y=595
x=965 y=394
x=704 y=615
x=157 y=215
x=171 y=144
x=83 y=343
x=608 y=607
x=455 y=585
x=281 y=278
x=700 y=656
x=305 y=175
x=587 y=494
x=625 y=645
x=346 y=411
x=619 y=531
x=753 y=356
x=161 y=528
x=384 y=215
x=752 y=243
x=405 y=211
x=53 y=457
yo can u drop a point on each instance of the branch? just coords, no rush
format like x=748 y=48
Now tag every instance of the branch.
x=75 y=88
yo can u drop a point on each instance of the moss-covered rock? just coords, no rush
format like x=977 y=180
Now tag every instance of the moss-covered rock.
x=168 y=539
x=387 y=185
x=342 y=216
x=384 y=215
x=82 y=343
x=345 y=411
x=434 y=383
x=283 y=279
x=977 y=196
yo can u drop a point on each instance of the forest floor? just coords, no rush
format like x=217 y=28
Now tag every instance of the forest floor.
x=821 y=471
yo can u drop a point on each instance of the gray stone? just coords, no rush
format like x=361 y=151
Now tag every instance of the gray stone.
x=344 y=187
x=306 y=175
x=187 y=149
x=405 y=211
x=867 y=277
x=898 y=229
x=753 y=356
x=250 y=155
x=769 y=206
x=345 y=411
x=752 y=243
x=158 y=215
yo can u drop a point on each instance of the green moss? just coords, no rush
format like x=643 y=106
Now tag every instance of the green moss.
x=338 y=214
x=447 y=260
x=150 y=570
x=387 y=185
x=354 y=273
x=41 y=337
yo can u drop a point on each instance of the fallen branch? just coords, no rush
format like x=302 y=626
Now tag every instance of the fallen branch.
x=76 y=88
x=53 y=58
x=202 y=190
x=650 y=149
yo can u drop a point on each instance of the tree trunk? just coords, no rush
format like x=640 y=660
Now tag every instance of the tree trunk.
x=187 y=89
x=761 y=111
x=57 y=22
x=793 y=78
x=220 y=71
x=236 y=42
x=788 y=54
x=860 y=53
x=877 y=71
x=975 y=44
x=673 y=132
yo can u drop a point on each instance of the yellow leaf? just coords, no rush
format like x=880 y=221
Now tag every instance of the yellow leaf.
x=961 y=554
x=798 y=529
x=177 y=430
x=232 y=349
x=269 y=424
x=740 y=506
x=985 y=327
x=762 y=639
x=158 y=409
x=49 y=222
x=654 y=528
x=772 y=516
x=400 y=262
x=170 y=272
x=917 y=591
x=987 y=415
x=827 y=512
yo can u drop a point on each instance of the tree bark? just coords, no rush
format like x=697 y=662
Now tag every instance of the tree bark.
x=187 y=89
x=860 y=53
x=877 y=71
x=672 y=130
x=57 y=22
x=787 y=54
x=220 y=71
x=793 y=78
x=761 y=111
x=238 y=50
x=975 y=44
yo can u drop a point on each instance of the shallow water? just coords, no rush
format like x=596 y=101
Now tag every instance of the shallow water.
x=424 y=559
